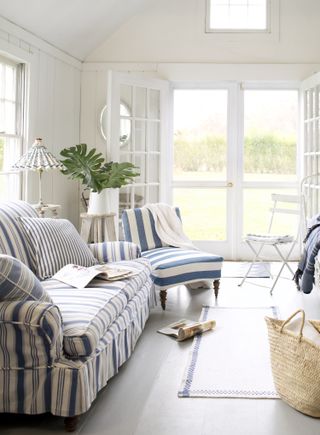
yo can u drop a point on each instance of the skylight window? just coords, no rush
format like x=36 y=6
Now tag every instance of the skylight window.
x=238 y=15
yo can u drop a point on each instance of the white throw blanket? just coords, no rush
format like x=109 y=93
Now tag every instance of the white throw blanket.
x=169 y=230
x=168 y=226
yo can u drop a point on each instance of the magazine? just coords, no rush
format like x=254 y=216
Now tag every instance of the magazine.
x=79 y=276
x=183 y=329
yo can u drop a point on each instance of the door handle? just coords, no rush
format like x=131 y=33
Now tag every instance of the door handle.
x=229 y=184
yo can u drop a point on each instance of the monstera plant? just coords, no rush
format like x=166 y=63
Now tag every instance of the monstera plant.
x=91 y=169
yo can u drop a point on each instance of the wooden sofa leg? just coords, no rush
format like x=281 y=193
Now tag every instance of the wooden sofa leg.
x=163 y=298
x=71 y=423
x=216 y=285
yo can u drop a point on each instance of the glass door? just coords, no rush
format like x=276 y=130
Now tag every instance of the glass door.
x=233 y=146
x=311 y=152
x=270 y=164
x=136 y=132
x=203 y=181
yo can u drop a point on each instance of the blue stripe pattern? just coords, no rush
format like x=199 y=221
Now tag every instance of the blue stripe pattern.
x=12 y=238
x=101 y=323
x=174 y=266
x=18 y=283
x=106 y=252
x=139 y=228
x=171 y=266
x=56 y=243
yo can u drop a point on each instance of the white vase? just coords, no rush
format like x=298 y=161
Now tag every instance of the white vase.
x=104 y=202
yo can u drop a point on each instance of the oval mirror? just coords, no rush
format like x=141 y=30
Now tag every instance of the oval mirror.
x=125 y=124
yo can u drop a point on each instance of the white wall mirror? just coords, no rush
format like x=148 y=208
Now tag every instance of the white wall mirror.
x=125 y=123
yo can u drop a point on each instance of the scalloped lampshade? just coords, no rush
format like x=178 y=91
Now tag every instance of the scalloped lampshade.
x=38 y=158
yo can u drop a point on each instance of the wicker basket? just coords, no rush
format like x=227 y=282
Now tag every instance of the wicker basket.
x=295 y=362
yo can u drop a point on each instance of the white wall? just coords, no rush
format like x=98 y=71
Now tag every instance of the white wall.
x=173 y=31
x=167 y=40
x=54 y=109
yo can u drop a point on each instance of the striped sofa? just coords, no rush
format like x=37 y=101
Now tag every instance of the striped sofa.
x=55 y=357
x=171 y=266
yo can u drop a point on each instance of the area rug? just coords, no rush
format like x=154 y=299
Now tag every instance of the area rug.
x=232 y=360
x=238 y=270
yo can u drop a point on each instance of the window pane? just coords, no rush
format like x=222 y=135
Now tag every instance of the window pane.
x=270 y=135
x=203 y=212
x=200 y=134
x=9 y=187
x=10 y=151
x=238 y=14
x=10 y=83
x=154 y=136
x=10 y=146
x=140 y=103
x=10 y=117
x=154 y=104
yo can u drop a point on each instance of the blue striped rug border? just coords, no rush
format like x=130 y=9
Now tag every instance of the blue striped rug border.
x=185 y=391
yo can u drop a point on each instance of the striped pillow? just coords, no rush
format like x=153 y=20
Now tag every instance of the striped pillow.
x=55 y=243
x=18 y=283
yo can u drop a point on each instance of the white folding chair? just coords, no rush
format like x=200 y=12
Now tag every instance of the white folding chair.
x=257 y=242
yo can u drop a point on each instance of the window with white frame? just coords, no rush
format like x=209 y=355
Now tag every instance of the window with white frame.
x=11 y=126
x=238 y=15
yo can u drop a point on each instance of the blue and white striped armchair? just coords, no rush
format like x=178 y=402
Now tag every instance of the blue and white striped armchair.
x=171 y=266
x=58 y=352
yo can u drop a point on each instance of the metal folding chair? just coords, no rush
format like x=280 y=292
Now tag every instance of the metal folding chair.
x=257 y=242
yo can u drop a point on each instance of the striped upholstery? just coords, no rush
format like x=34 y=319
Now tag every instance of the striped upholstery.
x=114 y=251
x=56 y=384
x=12 y=238
x=139 y=228
x=56 y=243
x=105 y=321
x=171 y=266
x=87 y=313
x=174 y=266
x=18 y=283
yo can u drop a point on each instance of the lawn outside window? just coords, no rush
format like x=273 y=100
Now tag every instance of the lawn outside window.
x=233 y=16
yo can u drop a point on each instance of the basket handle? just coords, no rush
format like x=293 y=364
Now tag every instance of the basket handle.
x=291 y=317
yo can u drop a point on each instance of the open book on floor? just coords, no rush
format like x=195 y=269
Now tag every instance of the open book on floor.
x=79 y=276
x=183 y=329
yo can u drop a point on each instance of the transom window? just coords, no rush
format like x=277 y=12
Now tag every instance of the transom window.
x=11 y=103
x=238 y=15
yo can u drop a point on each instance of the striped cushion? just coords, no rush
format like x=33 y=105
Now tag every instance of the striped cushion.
x=87 y=313
x=12 y=238
x=139 y=228
x=18 y=283
x=106 y=252
x=174 y=266
x=56 y=243
x=59 y=385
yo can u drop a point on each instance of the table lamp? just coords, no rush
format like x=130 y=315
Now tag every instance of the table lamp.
x=39 y=159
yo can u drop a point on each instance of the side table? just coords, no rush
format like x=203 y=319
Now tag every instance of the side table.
x=97 y=228
x=54 y=209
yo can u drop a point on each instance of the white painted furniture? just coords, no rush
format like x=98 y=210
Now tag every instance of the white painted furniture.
x=98 y=227
x=51 y=210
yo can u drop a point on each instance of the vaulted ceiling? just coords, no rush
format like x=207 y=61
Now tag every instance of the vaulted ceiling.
x=75 y=26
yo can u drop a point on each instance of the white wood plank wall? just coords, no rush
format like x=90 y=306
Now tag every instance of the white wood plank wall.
x=54 y=109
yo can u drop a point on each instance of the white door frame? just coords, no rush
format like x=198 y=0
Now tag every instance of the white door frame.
x=115 y=80
x=223 y=247
x=233 y=248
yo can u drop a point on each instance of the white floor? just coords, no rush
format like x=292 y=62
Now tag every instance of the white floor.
x=142 y=398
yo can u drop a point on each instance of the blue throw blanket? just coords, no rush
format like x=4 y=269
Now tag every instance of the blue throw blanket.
x=304 y=276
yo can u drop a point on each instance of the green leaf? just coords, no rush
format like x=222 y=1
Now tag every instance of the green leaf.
x=91 y=169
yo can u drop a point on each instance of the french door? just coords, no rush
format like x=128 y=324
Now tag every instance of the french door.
x=229 y=147
x=234 y=145
x=204 y=161
x=311 y=151
x=136 y=132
